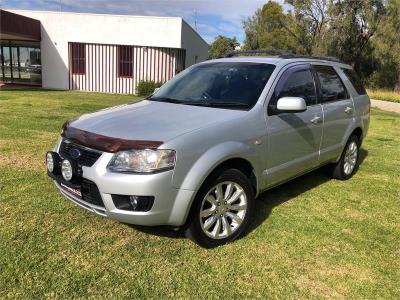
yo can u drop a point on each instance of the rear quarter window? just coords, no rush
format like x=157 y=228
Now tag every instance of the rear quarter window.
x=355 y=81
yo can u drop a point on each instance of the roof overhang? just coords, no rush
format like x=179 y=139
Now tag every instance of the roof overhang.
x=17 y=27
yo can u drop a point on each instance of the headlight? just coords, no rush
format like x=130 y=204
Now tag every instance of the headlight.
x=142 y=161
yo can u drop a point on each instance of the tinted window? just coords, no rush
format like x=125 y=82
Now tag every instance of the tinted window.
x=125 y=61
x=332 y=87
x=78 y=58
x=296 y=82
x=214 y=84
x=355 y=81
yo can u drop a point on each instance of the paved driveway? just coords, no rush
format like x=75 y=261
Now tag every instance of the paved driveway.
x=386 y=105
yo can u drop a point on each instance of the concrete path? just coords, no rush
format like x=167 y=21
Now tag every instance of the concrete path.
x=386 y=105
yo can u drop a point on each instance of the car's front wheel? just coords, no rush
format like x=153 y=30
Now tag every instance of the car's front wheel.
x=222 y=209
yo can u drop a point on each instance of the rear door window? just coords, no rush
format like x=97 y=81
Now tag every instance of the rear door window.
x=332 y=87
x=355 y=81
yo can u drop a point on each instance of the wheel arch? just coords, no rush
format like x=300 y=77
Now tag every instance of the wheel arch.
x=241 y=164
x=358 y=132
x=238 y=163
x=227 y=155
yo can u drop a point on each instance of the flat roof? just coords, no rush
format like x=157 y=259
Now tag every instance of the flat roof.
x=89 y=14
x=184 y=22
x=15 y=26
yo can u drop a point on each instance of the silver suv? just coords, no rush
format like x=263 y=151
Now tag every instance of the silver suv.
x=198 y=151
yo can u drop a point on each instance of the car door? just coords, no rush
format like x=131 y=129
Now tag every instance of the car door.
x=338 y=111
x=293 y=138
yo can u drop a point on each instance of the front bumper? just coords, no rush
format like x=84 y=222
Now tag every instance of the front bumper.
x=164 y=211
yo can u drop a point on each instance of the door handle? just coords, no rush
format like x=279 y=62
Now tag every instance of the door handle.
x=348 y=110
x=316 y=120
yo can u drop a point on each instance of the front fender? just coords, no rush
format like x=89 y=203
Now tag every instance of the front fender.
x=213 y=157
x=203 y=167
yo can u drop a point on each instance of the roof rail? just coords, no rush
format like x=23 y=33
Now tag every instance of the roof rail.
x=282 y=54
x=270 y=52
x=329 y=58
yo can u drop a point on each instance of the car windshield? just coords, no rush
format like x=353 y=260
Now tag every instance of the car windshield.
x=236 y=85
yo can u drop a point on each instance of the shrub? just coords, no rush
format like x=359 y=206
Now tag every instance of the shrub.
x=146 y=88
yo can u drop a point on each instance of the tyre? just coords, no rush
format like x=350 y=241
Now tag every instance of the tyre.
x=222 y=209
x=348 y=163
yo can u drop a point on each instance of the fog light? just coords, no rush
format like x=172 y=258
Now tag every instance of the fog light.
x=53 y=162
x=66 y=169
x=133 y=200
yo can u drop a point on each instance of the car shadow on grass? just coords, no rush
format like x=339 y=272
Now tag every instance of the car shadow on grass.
x=266 y=201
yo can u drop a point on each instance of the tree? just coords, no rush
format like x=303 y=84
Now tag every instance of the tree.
x=386 y=44
x=352 y=25
x=221 y=46
x=362 y=33
x=311 y=18
x=269 y=28
x=299 y=30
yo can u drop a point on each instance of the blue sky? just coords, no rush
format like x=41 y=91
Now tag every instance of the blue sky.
x=214 y=17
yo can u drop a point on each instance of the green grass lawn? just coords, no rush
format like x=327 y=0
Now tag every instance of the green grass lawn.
x=384 y=95
x=312 y=238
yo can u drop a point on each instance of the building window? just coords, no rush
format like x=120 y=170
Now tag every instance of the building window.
x=125 y=61
x=78 y=58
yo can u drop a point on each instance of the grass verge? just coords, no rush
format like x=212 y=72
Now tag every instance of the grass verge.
x=384 y=95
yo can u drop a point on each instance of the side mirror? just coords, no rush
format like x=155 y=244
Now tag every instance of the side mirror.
x=291 y=104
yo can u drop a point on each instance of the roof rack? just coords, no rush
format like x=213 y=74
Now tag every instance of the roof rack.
x=282 y=54
x=329 y=58
x=269 y=52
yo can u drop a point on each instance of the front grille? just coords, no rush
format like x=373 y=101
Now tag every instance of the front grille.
x=90 y=193
x=87 y=158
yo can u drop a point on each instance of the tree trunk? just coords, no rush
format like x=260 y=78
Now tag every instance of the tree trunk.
x=397 y=85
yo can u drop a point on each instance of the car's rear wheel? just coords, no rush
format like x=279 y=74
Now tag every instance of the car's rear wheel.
x=348 y=163
x=222 y=209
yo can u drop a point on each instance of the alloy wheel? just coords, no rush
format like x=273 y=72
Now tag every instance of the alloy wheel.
x=350 y=158
x=223 y=210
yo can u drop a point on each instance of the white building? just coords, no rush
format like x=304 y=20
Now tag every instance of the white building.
x=92 y=52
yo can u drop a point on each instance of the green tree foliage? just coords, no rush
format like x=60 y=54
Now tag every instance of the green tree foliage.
x=269 y=28
x=363 y=33
x=386 y=44
x=311 y=17
x=353 y=23
x=221 y=46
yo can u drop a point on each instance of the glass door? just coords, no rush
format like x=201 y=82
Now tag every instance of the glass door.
x=15 y=63
x=6 y=64
x=20 y=62
x=30 y=67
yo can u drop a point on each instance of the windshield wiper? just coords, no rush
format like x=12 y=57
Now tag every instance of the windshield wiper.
x=227 y=104
x=221 y=104
x=165 y=99
x=201 y=103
